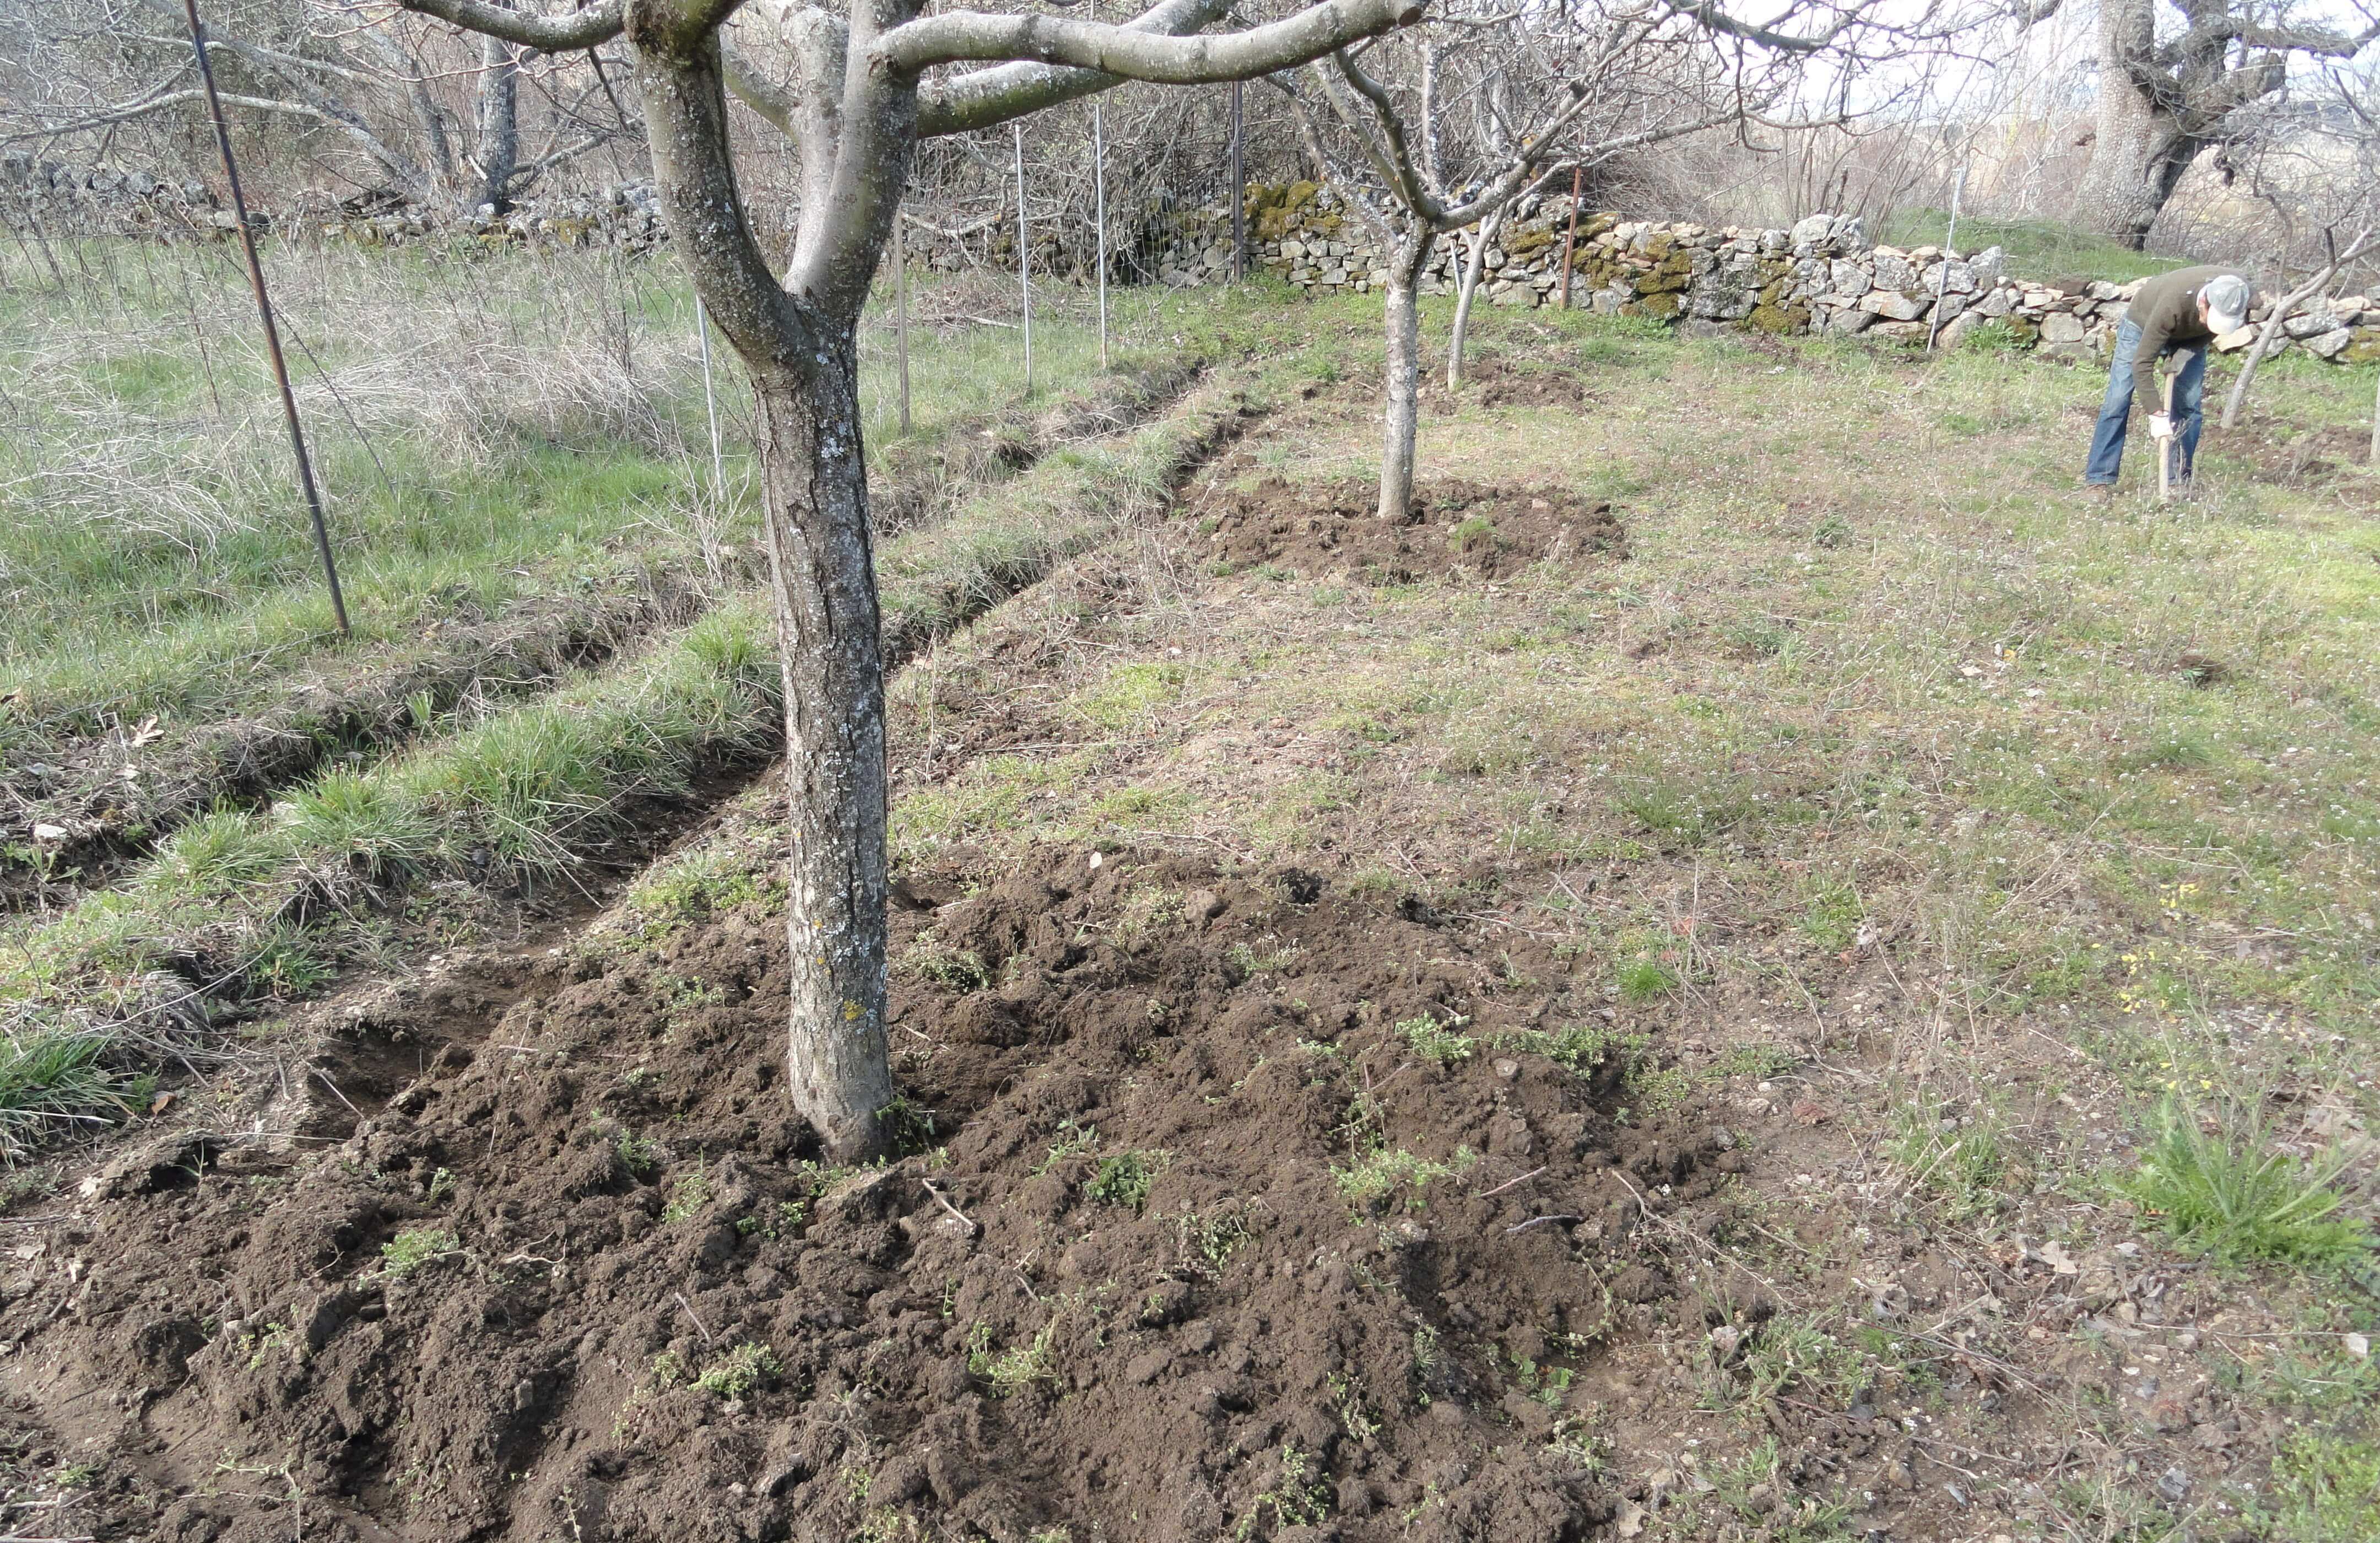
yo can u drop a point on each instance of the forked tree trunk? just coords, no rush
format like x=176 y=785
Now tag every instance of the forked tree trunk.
x=499 y=125
x=1406 y=260
x=1474 y=261
x=815 y=476
x=2140 y=150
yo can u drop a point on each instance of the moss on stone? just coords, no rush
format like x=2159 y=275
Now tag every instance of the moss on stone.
x=1661 y=307
x=1772 y=318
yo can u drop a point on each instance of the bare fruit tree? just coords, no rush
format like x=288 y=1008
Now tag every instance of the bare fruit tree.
x=1584 y=96
x=441 y=127
x=2167 y=93
x=2318 y=170
x=862 y=95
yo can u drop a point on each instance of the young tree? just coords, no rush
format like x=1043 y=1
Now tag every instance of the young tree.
x=2163 y=100
x=1407 y=198
x=862 y=96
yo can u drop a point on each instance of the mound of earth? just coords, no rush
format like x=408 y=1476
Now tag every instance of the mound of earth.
x=1242 y=1208
x=1452 y=526
x=1498 y=383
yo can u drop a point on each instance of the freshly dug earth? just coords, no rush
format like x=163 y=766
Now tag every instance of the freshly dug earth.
x=1253 y=1210
x=1452 y=526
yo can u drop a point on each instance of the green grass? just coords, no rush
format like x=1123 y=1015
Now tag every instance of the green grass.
x=2036 y=249
x=1123 y=1180
x=1432 y=1040
x=740 y=1371
x=2225 y=1193
x=408 y=1251
x=1377 y=1176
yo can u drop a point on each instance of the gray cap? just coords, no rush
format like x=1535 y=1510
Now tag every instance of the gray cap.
x=2227 y=302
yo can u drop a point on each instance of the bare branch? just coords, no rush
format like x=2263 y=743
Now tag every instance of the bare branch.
x=597 y=23
x=1136 y=55
x=986 y=98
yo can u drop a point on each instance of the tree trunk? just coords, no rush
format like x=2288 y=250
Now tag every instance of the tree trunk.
x=1473 y=260
x=823 y=565
x=2140 y=151
x=1406 y=262
x=499 y=135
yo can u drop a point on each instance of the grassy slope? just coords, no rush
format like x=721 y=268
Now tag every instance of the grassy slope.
x=244 y=906
x=1885 y=749
x=2036 y=249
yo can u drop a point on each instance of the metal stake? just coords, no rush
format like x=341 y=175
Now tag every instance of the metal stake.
x=1239 y=192
x=1024 y=259
x=1100 y=197
x=901 y=312
x=1942 y=273
x=710 y=405
x=265 y=309
x=1569 y=237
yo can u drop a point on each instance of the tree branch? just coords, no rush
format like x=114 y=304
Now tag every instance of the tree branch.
x=986 y=98
x=597 y=23
x=1134 y=56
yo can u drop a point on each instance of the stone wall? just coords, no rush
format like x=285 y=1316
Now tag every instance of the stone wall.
x=1822 y=276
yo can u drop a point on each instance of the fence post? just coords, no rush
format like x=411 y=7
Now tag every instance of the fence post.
x=265 y=309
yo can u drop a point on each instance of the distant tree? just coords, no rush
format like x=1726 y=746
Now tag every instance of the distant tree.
x=85 y=69
x=861 y=98
x=2162 y=100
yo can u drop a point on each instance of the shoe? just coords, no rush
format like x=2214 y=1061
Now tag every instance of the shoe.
x=2100 y=494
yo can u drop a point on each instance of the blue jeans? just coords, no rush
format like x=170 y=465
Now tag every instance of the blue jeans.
x=2107 y=441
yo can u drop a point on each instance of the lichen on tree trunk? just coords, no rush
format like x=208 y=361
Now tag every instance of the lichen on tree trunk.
x=820 y=550
x=1402 y=418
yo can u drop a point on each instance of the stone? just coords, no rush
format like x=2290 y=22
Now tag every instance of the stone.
x=1851 y=320
x=1849 y=278
x=2235 y=340
x=1892 y=270
x=1996 y=301
x=2310 y=323
x=2329 y=344
x=1955 y=330
x=1812 y=230
x=2061 y=326
x=2100 y=289
x=1893 y=305
x=1987 y=264
x=1957 y=278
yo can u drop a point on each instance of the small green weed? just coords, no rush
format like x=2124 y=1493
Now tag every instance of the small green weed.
x=1644 y=979
x=1011 y=1371
x=1073 y=1141
x=689 y=1197
x=1574 y=1048
x=1958 y=1158
x=742 y=1370
x=1435 y=1041
x=408 y=1252
x=1380 y=1174
x=1300 y=1496
x=1125 y=1180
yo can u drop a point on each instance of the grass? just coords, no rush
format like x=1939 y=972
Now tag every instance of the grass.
x=740 y=1371
x=1377 y=1176
x=408 y=1251
x=2036 y=249
x=2226 y=1193
x=1432 y=1040
x=1123 y=1180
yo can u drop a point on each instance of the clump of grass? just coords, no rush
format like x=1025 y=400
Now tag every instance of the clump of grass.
x=54 y=1078
x=688 y=1198
x=1125 y=1180
x=1575 y=1047
x=2226 y=1193
x=1013 y=1371
x=1644 y=979
x=1378 y=1175
x=638 y=1154
x=957 y=970
x=741 y=1371
x=1958 y=1158
x=1435 y=1041
x=408 y=1251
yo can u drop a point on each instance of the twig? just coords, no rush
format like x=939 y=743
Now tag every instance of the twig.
x=1539 y=1221
x=974 y=1228
x=692 y=1314
x=1509 y=1183
x=334 y=1091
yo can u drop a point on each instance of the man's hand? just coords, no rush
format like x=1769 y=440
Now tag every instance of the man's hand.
x=2160 y=426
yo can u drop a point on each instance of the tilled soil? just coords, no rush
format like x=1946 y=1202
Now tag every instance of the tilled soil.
x=580 y=1276
x=1454 y=526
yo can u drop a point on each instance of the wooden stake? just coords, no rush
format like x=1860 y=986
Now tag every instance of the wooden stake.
x=1569 y=237
x=1239 y=192
x=1100 y=199
x=2164 y=445
x=264 y=311
x=710 y=406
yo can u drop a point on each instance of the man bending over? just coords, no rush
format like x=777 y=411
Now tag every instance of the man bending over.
x=2179 y=313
